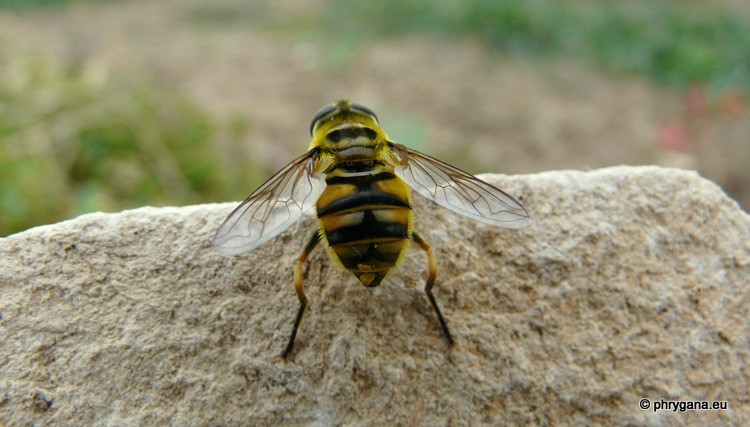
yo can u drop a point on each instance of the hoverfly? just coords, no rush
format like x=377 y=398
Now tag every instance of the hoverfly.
x=359 y=182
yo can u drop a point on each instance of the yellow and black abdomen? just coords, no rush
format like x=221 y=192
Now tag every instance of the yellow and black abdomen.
x=366 y=220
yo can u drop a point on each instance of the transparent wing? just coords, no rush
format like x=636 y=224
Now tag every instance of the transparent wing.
x=272 y=208
x=459 y=191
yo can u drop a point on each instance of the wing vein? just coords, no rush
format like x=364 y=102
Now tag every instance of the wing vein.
x=459 y=191
x=273 y=207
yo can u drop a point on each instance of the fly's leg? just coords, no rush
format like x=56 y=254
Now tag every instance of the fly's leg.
x=431 y=282
x=311 y=244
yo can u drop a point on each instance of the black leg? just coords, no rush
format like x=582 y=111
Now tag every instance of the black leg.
x=314 y=240
x=290 y=344
x=431 y=282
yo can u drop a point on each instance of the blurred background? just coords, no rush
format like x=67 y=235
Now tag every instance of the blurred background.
x=110 y=105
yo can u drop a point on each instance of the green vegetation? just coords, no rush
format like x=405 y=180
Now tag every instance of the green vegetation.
x=73 y=140
x=669 y=42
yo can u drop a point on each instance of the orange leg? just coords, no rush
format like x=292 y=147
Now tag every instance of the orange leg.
x=431 y=282
x=311 y=244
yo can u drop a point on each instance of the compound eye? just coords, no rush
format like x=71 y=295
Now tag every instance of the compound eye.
x=328 y=109
x=365 y=110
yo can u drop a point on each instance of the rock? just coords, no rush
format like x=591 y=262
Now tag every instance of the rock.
x=631 y=283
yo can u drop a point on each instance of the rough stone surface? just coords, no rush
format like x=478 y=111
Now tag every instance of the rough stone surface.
x=630 y=283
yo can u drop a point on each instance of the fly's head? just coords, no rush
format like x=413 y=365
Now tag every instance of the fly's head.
x=348 y=131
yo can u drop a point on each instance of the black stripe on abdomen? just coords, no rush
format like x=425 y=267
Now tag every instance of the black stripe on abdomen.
x=367 y=230
x=362 y=198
